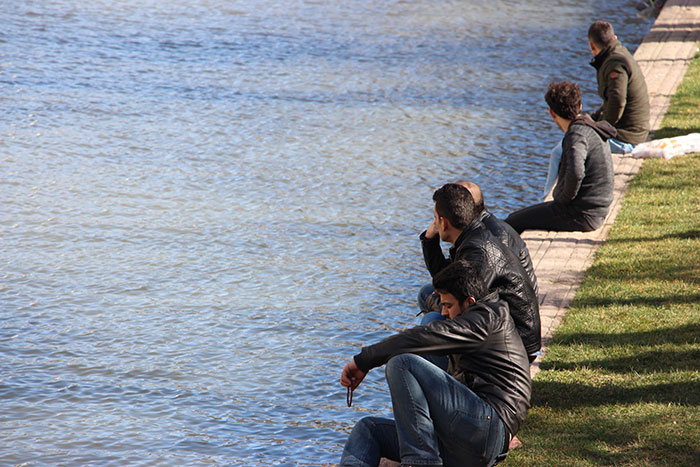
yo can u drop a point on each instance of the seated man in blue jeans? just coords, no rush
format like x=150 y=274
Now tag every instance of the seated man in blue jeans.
x=463 y=416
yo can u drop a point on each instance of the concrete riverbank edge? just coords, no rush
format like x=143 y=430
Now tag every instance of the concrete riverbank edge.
x=562 y=258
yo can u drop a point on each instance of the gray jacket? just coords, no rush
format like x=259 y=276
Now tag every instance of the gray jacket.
x=586 y=175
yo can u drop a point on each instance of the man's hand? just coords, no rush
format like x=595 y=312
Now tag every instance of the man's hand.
x=351 y=376
x=432 y=230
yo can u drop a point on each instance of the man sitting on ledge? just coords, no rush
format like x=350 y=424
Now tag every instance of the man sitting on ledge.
x=584 y=190
x=464 y=416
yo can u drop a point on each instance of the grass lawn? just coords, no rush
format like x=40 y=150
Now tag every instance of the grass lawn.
x=620 y=383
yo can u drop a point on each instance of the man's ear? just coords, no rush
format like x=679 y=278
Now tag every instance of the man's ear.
x=445 y=223
x=466 y=303
x=592 y=47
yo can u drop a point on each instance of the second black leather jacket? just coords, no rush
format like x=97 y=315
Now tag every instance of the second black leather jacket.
x=500 y=270
x=510 y=238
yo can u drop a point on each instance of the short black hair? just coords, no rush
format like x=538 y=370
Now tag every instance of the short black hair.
x=455 y=203
x=564 y=98
x=601 y=34
x=462 y=280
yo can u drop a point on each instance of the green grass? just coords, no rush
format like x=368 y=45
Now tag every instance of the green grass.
x=683 y=116
x=620 y=383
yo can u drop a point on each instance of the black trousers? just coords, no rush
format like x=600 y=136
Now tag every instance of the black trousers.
x=552 y=216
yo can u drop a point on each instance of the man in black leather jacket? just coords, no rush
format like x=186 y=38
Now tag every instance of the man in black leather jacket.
x=465 y=416
x=455 y=221
x=502 y=231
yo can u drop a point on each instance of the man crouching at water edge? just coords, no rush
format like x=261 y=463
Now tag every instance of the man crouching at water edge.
x=460 y=417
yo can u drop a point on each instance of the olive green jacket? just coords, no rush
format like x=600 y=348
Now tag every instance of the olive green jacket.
x=624 y=92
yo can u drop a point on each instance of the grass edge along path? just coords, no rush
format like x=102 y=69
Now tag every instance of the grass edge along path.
x=620 y=382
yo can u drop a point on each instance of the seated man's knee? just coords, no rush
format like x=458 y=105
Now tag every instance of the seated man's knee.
x=402 y=362
x=398 y=361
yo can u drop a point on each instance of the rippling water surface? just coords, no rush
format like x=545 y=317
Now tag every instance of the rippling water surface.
x=207 y=206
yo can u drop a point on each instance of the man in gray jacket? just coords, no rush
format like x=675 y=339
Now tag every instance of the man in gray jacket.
x=466 y=415
x=584 y=189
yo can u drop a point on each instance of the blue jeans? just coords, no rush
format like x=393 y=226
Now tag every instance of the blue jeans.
x=620 y=147
x=438 y=421
x=442 y=361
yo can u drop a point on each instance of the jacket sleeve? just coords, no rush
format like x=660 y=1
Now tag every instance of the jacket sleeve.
x=573 y=168
x=463 y=334
x=615 y=93
x=435 y=261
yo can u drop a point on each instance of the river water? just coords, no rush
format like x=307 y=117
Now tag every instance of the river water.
x=208 y=205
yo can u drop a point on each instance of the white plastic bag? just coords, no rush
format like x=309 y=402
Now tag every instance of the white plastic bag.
x=668 y=147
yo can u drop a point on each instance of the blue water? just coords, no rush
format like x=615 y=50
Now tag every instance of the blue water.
x=208 y=206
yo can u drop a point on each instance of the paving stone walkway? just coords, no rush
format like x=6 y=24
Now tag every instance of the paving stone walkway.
x=561 y=258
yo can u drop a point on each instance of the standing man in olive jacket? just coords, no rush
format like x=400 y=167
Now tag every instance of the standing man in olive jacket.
x=463 y=416
x=622 y=87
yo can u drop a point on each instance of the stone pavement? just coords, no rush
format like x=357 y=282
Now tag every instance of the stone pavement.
x=561 y=258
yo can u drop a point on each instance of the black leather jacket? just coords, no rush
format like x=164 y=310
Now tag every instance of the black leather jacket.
x=500 y=270
x=510 y=238
x=486 y=355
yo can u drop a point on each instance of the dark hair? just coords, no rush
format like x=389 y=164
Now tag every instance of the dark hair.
x=601 y=34
x=461 y=280
x=455 y=203
x=564 y=98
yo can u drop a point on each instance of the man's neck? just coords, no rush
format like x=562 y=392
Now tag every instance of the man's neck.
x=453 y=235
x=563 y=123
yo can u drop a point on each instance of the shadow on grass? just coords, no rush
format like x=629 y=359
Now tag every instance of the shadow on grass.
x=671 y=132
x=558 y=394
x=691 y=234
x=660 y=437
x=647 y=362
x=648 y=301
x=679 y=335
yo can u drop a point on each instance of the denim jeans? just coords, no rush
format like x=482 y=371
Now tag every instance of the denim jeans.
x=438 y=421
x=620 y=147
x=442 y=361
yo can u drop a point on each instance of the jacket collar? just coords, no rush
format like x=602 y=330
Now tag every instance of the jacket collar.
x=467 y=232
x=598 y=60
x=604 y=129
